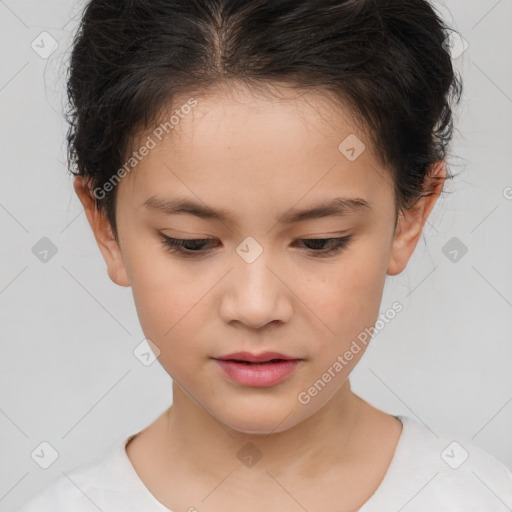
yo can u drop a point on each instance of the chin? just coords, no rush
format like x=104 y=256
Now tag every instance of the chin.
x=257 y=429
x=259 y=423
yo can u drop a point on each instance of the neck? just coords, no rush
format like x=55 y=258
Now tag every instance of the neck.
x=312 y=447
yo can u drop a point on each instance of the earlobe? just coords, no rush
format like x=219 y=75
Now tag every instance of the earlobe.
x=103 y=234
x=411 y=222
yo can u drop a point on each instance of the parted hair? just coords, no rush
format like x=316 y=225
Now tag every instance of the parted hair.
x=385 y=60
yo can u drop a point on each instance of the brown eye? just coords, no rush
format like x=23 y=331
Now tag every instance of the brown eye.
x=196 y=246
x=185 y=246
x=334 y=245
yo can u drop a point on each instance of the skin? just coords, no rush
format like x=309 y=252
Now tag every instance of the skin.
x=248 y=154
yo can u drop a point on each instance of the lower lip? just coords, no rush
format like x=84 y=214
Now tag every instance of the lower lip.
x=258 y=375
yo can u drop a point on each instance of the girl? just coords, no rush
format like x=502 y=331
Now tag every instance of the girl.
x=254 y=170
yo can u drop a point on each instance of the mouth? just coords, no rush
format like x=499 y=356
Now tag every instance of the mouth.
x=251 y=363
x=254 y=359
x=257 y=370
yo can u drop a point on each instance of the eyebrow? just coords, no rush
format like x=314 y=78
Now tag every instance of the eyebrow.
x=339 y=206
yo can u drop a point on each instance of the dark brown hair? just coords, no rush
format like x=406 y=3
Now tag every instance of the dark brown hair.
x=385 y=60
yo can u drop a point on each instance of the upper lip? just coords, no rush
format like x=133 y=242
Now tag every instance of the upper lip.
x=254 y=358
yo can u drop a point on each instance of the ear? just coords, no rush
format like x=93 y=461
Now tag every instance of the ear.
x=411 y=222
x=103 y=234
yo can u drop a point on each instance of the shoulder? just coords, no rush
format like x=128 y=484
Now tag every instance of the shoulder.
x=439 y=470
x=81 y=489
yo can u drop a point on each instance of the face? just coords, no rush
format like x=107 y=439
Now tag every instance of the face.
x=257 y=280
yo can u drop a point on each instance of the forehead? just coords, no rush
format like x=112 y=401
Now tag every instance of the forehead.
x=264 y=118
x=238 y=143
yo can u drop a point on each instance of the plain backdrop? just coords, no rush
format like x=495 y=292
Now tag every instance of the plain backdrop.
x=69 y=375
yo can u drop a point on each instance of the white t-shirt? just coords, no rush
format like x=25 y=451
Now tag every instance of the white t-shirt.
x=426 y=474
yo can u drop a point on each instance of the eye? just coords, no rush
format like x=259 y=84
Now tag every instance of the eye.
x=177 y=245
x=195 y=246
x=336 y=244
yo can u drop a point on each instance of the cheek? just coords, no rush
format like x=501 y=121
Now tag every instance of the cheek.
x=165 y=292
x=345 y=300
x=167 y=306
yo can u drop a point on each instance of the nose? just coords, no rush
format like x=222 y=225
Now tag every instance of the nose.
x=256 y=294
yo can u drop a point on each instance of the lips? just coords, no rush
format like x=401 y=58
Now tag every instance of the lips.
x=258 y=374
x=249 y=358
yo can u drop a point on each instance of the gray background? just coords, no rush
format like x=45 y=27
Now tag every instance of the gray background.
x=68 y=373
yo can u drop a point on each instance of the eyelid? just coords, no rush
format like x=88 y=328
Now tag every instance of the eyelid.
x=174 y=245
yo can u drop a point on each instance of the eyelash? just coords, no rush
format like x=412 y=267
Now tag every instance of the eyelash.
x=175 y=245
